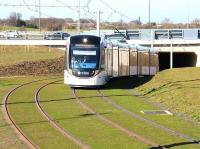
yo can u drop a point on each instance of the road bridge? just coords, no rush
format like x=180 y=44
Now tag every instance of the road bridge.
x=185 y=44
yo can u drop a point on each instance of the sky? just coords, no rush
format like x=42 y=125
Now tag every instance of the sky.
x=178 y=11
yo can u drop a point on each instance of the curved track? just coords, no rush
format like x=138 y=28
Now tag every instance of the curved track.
x=11 y=120
x=91 y=110
x=115 y=125
x=137 y=116
x=53 y=122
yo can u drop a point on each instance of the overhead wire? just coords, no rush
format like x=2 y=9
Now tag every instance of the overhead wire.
x=86 y=12
x=116 y=11
x=73 y=8
x=33 y=10
x=31 y=5
x=87 y=5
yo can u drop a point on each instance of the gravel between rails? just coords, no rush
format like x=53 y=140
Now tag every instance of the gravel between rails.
x=54 y=123
x=115 y=125
x=152 y=123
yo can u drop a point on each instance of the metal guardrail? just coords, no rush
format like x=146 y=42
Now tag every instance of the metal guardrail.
x=32 y=35
x=33 y=42
x=156 y=34
x=156 y=43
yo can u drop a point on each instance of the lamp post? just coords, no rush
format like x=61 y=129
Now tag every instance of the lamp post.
x=79 y=14
x=98 y=23
x=171 y=52
x=150 y=13
x=39 y=20
x=188 y=13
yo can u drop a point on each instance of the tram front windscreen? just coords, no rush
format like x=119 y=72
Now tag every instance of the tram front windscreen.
x=84 y=58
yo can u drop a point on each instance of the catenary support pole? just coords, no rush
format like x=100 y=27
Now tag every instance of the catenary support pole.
x=98 y=23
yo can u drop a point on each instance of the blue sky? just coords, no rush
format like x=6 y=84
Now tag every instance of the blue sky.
x=176 y=10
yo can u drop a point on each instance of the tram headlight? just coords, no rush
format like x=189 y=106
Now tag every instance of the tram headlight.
x=93 y=72
x=85 y=40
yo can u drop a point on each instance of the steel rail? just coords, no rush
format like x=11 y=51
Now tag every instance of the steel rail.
x=10 y=119
x=66 y=133
x=116 y=125
x=148 y=121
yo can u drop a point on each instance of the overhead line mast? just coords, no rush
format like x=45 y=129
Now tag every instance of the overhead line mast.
x=39 y=23
x=79 y=15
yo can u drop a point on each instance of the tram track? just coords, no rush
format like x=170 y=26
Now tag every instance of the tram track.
x=53 y=122
x=11 y=121
x=147 y=121
x=116 y=125
x=88 y=108
x=24 y=137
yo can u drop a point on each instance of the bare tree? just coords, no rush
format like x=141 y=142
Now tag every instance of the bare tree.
x=14 y=19
x=195 y=23
x=167 y=23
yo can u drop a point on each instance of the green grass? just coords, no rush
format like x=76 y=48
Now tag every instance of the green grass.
x=8 y=139
x=2 y=28
x=129 y=122
x=136 y=105
x=15 y=54
x=60 y=96
x=177 y=89
x=26 y=115
x=59 y=103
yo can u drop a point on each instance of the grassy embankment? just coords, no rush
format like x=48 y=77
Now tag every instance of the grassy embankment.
x=15 y=54
x=10 y=55
x=58 y=102
x=3 y=28
x=57 y=99
x=177 y=89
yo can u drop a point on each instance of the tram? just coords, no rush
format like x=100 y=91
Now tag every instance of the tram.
x=91 y=63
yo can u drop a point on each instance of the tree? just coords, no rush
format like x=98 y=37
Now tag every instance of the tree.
x=15 y=19
x=166 y=21
x=20 y=23
x=196 y=23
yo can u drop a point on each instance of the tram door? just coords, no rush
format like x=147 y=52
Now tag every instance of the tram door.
x=147 y=63
x=109 y=61
x=144 y=63
x=133 y=62
x=123 y=62
x=154 y=63
x=115 y=61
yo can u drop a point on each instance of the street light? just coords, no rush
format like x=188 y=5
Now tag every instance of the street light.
x=171 y=51
x=149 y=12
x=78 y=21
x=188 y=13
x=39 y=20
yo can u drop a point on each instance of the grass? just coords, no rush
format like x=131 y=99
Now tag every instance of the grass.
x=60 y=96
x=8 y=139
x=136 y=105
x=129 y=122
x=60 y=104
x=3 y=28
x=177 y=89
x=58 y=101
x=15 y=54
x=26 y=115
